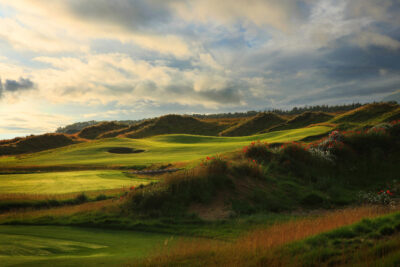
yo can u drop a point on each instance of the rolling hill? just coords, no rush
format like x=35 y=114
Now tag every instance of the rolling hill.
x=305 y=119
x=92 y=132
x=177 y=124
x=35 y=143
x=368 y=114
x=132 y=128
x=254 y=125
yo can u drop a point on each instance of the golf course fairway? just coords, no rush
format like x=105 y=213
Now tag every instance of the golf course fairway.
x=158 y=149
x=72 y=246
x=67 y=182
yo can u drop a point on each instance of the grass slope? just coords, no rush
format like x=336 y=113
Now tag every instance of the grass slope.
x=132 y=128
x=68 y=246
x=35 y=143
x=176 y=124
x=303 y=120
x=92 y=132
x=158 y=149
x=371 y=113
x=254 y=125
x=66 y=182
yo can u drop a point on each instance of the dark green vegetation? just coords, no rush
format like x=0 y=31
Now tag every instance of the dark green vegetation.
x=226 y=185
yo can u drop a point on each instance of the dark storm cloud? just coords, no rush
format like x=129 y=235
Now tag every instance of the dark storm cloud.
x=14 y=85
x=20 y=85
x=1 y=88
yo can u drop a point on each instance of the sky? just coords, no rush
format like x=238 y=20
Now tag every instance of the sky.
x=64 y=61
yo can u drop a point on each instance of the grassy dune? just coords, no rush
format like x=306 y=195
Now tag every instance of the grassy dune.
x=71 y=246
x=66 y=182
x=158 y=149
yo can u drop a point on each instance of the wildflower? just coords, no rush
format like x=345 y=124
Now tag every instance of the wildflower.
x=132 y=188
x=208 y=158
x=389 y=193
x=380 y=192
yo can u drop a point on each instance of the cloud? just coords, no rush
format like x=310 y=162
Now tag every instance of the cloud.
x=115 y=77
x=158 y=56
x=15 y=85
x=27 y=33
x=367 y=39
x=20 y=85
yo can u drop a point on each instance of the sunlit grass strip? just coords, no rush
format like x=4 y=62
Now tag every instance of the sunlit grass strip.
x=257 y=243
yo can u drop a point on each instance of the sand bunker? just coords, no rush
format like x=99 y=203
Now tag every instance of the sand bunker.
x=124 y=150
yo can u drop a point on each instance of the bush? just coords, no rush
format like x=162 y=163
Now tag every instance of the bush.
x=81 y=198
x=313 y=199
x=377 y=198
x=177 y=190
x=386 y=230
x=259 y=151
x=247 y=169
x=101 y=197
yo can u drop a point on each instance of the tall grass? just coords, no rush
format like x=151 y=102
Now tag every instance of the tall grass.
x=258 y=244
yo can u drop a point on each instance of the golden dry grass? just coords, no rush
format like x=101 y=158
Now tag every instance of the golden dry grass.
x=260 y=242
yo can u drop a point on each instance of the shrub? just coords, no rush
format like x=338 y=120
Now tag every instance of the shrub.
x=101 y=197
x=377 y=198
x=177 y=190
x=312 y=199
x=295 y=152
x=81 y=198
x=386 y=230
x=258 y=150
x=247 y=169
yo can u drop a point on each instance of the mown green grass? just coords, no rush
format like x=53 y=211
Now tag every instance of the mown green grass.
x=66 y=182
x=69 y=246
x=158 y=149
